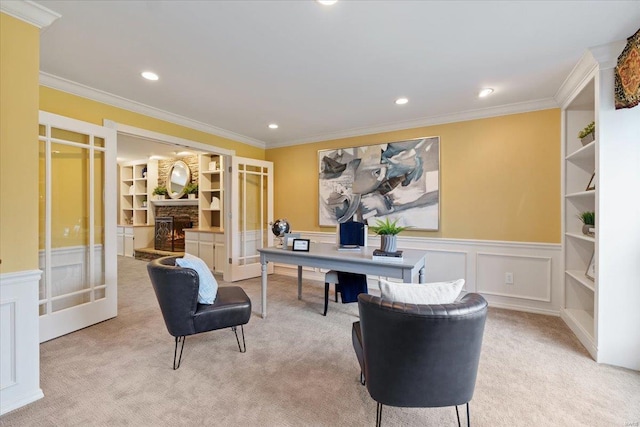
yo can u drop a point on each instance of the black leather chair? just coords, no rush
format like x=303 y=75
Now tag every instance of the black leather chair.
x=177 y=291
x=419 y=356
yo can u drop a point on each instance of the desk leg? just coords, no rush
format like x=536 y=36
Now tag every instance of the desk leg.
x=264 y=289
x=299 y=282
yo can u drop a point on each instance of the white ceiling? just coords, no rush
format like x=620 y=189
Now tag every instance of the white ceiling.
x=324 y=72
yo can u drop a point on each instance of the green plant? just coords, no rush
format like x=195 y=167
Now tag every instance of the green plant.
x=160 y=190
x=591 y=128
x=588 y=217
x=387 y=227
x=191 y=188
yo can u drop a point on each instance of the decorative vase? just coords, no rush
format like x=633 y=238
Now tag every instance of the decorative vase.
x=191 y=196
x=587 y=139
x=388 y=243
x=585 y=229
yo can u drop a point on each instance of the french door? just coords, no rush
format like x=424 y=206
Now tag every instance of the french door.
x=77 y=225
x=251 y=202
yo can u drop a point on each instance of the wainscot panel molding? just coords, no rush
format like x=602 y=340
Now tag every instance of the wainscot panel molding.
x=19 y=344
x=536 y=269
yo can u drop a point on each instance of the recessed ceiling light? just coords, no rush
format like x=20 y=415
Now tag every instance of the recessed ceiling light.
x=485 y=92
x=273 y=126
x=401 y=101
x=149 y=75
x=327 y=2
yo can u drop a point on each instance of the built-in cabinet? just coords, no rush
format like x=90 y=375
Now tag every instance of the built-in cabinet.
x=137 y=181
x=207 y=245
x=603 y=311
x=130 y=237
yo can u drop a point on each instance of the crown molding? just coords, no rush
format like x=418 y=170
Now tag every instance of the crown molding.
x=607 y=54
x=83 y=91
x=576 y=80
x=600 y=57
x=502 y=110
x=29 y=12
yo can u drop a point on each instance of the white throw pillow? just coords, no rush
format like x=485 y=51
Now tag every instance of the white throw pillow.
x=208 y=289
x=421 y=293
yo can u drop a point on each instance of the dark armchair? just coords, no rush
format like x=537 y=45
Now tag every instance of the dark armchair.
x=419 y=355
x=176 y=289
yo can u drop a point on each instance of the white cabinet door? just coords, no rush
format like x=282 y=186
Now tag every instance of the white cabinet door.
x=220 y=257
x=206 y=254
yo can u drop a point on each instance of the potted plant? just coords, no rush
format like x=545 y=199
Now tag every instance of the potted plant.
x=587 y=134
x=388 y=232
x=588 y=219
x=191 y=189
x=160 y=192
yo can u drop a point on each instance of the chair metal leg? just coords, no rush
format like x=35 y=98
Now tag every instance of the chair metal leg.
x=379 y=415
x=175 y=351
x=242 y=349
x=326 y=298
x=468 y=416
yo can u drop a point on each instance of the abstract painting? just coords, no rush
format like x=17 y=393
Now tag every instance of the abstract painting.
x=397 y=180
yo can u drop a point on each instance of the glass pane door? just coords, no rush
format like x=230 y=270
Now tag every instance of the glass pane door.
x=252 y=211
x=75 y=222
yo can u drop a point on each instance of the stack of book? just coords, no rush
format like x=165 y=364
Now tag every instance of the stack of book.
x=380 y=255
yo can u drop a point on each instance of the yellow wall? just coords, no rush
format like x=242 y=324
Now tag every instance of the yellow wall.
x=499 y=177
x=65 y=104
x=19 y=64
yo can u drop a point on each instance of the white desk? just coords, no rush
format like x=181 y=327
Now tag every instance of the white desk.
x=325 y=255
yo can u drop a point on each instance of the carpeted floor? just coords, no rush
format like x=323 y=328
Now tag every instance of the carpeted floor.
x=300 y=370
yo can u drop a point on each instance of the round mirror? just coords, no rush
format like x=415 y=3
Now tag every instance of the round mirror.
x=179 y=177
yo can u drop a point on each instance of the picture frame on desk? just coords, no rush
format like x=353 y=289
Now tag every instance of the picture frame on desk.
x=301 y=245
x=591 y=268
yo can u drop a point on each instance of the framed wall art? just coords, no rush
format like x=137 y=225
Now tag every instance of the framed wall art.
x=399 y=180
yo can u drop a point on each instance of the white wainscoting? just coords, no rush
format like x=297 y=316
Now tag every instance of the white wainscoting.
x=19 y=343
x=536 y=269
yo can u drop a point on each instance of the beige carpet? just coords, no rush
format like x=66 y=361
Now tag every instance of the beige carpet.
x=300 y=370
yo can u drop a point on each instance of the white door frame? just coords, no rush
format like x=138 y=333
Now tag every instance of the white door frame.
x=174 y=140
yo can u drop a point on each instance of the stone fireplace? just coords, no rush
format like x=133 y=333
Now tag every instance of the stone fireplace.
x=169 y=232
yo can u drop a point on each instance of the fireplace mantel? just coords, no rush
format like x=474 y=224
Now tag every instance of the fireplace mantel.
x=175 y=202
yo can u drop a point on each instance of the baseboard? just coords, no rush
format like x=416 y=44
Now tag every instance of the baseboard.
x=12 y=405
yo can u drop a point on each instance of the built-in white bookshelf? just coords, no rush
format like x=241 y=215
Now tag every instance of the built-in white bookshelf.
x=137 y=181
x=604 y=311
x=211 y=192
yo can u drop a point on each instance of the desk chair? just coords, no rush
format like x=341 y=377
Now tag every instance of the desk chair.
x=349 y=233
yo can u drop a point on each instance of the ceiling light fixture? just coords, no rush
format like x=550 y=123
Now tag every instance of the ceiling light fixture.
x=327 y=2
x=401 y=101
x=273 y=126
x=485 y=92
x=149 y=75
